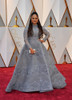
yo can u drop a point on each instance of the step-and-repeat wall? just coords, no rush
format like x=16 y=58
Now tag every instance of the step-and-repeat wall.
x=54 y=15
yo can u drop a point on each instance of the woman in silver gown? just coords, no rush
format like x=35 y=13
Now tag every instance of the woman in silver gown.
x=35 y=69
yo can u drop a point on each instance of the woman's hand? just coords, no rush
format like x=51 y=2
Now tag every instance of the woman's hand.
x=41 y=40
x=32 y=51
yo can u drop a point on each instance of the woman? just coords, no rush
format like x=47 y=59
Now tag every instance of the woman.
x=35 y=70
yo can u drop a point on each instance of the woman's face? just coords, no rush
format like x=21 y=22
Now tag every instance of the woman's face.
x=34 y=19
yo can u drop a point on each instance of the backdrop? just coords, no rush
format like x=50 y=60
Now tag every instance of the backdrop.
x=54 y=15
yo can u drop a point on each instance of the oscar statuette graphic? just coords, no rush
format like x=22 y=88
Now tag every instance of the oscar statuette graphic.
x=64 y=59
x=16 y=58
x=16 y=19
x=50 y=22
x=66 y=22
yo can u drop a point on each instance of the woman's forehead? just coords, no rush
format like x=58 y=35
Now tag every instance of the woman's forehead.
x=34 y=15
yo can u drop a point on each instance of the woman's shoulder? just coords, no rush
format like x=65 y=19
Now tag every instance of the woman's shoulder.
x=26 y=27
x=43 y=27
x=45 y=30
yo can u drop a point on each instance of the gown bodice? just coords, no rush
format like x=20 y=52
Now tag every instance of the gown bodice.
x=35 y=31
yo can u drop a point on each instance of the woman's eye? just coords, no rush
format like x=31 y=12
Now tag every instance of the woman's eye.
x=34 y=18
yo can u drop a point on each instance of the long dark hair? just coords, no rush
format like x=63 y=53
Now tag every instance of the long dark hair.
x=30 y=33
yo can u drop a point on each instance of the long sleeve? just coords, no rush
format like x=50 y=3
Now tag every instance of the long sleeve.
x=26 y=38
x=47 y=34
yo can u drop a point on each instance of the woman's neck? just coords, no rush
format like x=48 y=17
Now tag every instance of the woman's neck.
x=34 y=24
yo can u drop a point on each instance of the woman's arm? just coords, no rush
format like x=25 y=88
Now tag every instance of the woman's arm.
x=26 y=38
x=47 y=34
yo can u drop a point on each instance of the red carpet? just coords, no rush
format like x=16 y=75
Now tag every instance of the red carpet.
x=57 y=94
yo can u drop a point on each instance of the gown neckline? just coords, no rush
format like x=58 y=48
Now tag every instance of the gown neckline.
x=34 y=25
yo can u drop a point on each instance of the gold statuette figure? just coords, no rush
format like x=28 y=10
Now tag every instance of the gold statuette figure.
x=16 y=18
x=50 y=22
x=65 y=59
x=16 y=58
x=66 y=22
